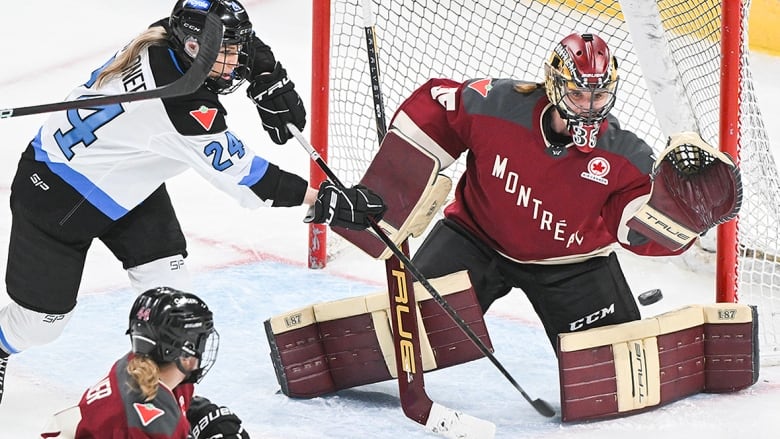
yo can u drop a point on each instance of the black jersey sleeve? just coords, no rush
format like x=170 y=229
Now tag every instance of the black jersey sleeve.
x=284 y=188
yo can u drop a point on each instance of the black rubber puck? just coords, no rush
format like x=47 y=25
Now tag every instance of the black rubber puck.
x=650 y=297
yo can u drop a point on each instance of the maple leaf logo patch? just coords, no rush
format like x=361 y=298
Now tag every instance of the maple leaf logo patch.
x=598 y=168
x=482 y=86
x=147 y=413
x=205 y=116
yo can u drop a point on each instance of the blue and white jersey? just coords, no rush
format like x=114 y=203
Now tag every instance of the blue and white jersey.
x=117 y=155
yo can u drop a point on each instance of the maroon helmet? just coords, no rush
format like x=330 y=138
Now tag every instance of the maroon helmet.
x=581 y=79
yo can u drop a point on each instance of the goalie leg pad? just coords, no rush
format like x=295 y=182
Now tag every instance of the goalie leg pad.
x=337 y=345
x=297 y=354
x=354 y=354
x=730 y=347
x=449 y=343
x=632 y=367
x=412 y=201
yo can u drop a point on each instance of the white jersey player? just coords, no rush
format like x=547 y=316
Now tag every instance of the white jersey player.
x=99 y=172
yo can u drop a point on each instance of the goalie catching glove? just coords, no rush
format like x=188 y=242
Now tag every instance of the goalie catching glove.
x=695 y=187
x=210 y=421
x=349 y=208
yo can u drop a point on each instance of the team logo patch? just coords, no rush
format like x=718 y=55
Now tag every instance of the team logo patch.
x=143 y=313
x=236 y=7
x=205 y=116
x=482 y=86
x=147 y=413
x=598 y=168
x=201 y=5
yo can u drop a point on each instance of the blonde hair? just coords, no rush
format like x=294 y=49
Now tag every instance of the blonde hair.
x=525 y=87
x=124 y=59
x=145 y=374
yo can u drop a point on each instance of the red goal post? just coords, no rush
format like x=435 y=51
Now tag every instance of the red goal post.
x=672 y=78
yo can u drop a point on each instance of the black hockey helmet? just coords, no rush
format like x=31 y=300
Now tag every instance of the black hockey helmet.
x=186 y=23
x=167 y=324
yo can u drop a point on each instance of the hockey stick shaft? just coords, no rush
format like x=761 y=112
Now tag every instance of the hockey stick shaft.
x=373 y=66
x=192 y=79
x=540 y=405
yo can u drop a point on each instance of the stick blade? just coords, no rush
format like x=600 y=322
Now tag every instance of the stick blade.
x=189 y=83
x=543 y=407
x=458 y=425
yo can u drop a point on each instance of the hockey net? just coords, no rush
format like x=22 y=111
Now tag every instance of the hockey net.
x=670 y=74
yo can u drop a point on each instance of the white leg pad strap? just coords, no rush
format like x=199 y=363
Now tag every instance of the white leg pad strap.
x=21 y=328
x=164 y=272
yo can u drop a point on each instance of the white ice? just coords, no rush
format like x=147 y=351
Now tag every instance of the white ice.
x=250 y=265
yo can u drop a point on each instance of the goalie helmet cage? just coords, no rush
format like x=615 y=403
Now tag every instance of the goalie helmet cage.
x=672 y=78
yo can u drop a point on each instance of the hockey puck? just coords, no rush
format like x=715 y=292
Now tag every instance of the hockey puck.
x=650 y=297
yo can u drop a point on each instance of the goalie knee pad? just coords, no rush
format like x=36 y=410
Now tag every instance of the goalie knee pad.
x=412 y=201
x=632 y=367
x=169 y=271
x=336 y=345
x=21 y=328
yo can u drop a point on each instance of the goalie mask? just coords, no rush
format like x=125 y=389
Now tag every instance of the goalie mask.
x=167 y=324
x=186 y=24
x=581 y=79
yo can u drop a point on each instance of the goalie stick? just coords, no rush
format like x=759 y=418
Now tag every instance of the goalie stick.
x=415 y=402
x=541 y=406
x=192 y=79
x=373 y=64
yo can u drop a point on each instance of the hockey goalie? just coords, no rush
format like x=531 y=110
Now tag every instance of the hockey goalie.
x=326 y=347
x=552 y=184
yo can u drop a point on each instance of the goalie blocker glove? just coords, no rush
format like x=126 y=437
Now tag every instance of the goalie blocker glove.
x=695 y=187
x=210 y=421
x=277 y=103
x=349 y=208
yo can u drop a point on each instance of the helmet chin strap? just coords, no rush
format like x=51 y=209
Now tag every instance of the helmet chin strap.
x=190 y=376
x=584 y=135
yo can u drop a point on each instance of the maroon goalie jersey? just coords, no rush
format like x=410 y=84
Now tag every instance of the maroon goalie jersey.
x=525 y=192
x=114 y=409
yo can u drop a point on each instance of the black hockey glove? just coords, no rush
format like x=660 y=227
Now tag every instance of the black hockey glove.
x=207 y=421
x=277 y=103
x=348 y=208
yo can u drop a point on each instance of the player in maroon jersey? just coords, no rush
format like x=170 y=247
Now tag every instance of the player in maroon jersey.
x=551 y=180
x=148 y=393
